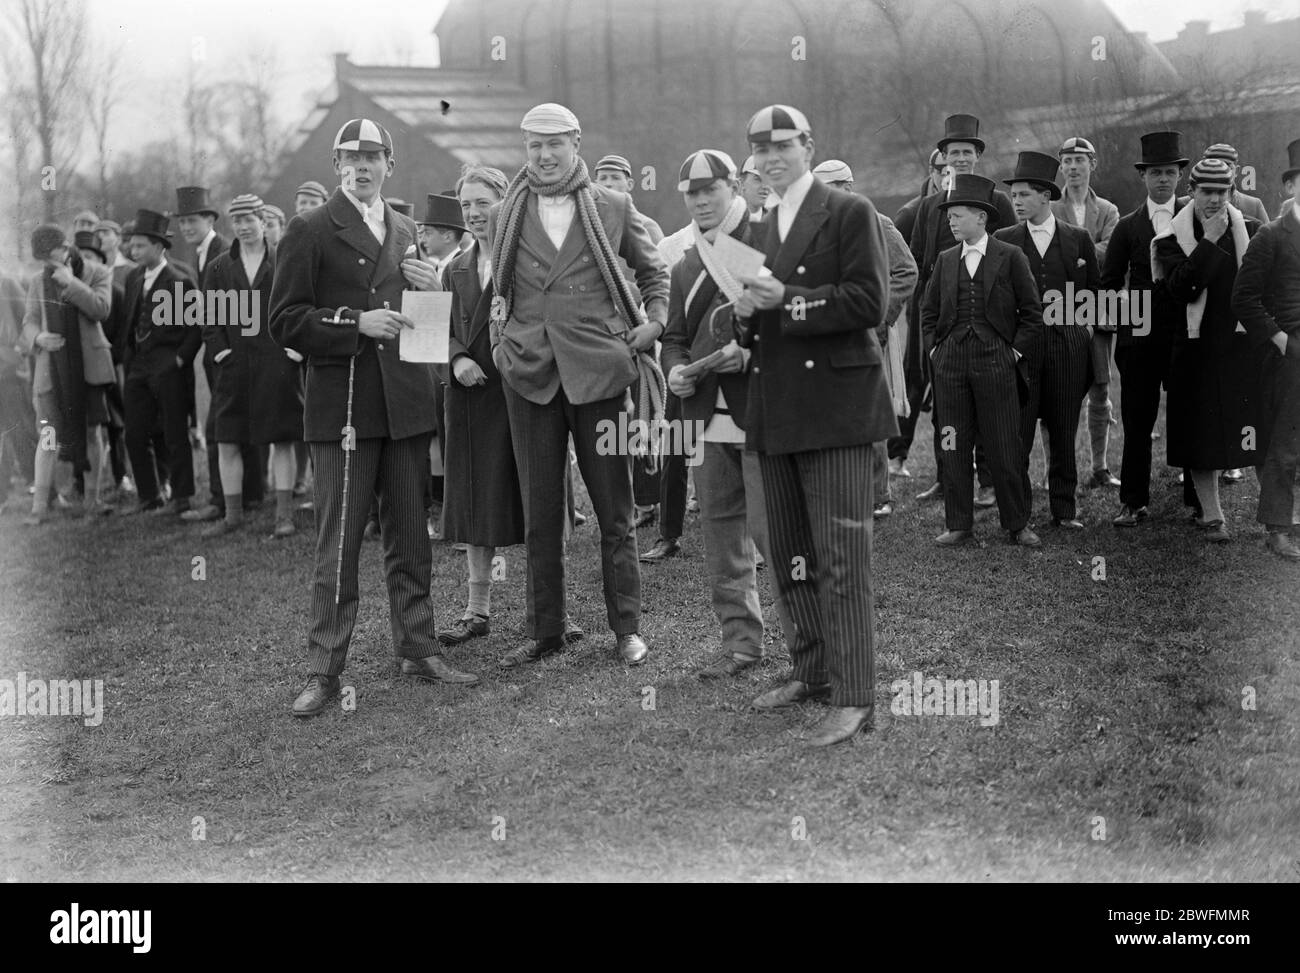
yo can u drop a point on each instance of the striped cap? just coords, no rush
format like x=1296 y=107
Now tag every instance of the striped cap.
x=312 y=188
x=550 y=119
x=616 y=162
x=937 y=159
x=1211 y=174
x=363 y=135
x=1221 y=150
x=748 y=166
x=272 y=210
x=833 y=170
x=777 y=123
x=247 y=203
x=704 y=167
x=1078 y=144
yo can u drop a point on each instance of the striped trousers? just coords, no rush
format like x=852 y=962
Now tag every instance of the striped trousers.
x=1056 y=394
x=819 y=529
x=395 y=471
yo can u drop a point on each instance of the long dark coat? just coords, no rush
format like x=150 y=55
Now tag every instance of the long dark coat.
x=482 y=504
x=1213 y=380
x=257 y=391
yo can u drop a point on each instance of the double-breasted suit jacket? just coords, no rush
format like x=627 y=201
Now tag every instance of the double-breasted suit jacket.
x=564 y=329
x=328 y=260
x=481 y=504
x=817 y=377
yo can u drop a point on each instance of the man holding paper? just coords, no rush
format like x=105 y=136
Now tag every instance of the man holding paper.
x=706 y=368
x=368 y=415
x=817 y=401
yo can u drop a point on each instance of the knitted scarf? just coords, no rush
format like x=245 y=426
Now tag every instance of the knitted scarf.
x=505 y=247
x=67 y=372
x=728 y=284
x=1182 y=229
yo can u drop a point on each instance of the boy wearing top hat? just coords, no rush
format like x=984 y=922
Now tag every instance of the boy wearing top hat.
x=441 y=228
x=817 y=401
x=1062 y=259
x=159 y=350
x=1142 y=350
x=368 y=415
x=982 y=321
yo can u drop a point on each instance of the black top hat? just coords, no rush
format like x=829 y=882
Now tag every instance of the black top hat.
x=1161 y=149
x=1293 y=160
x=1037 y=169
x=969 y=189
x=86 y=240
x=153 y=225
x=194 y=199
x=961 y=128
x=403 y=207
x=443 y=211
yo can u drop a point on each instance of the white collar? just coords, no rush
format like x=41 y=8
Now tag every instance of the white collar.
x=206 y=241
x=794 y=194
x=980 y=246
x=1048 y=225
x=1153 y=207
x=374 y=211
x=149 y=274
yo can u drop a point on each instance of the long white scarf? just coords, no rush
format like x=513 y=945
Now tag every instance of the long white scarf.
x=728 y=284
x=1181 y=229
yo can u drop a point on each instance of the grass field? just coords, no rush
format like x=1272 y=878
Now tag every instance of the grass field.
x=1120 y=699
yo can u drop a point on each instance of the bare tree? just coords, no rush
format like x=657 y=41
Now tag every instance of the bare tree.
x=44 y=67
x=103 y=91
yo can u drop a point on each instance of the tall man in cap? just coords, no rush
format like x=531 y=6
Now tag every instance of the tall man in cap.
x=733 y=515
x=982 y=321
x=1266 y=299
x=566 y=334
x=1081 y=206
x=159 y=350
x=753 y=190
x=309 y=196
x=902 y=282
x=1064 y=262
x=817 y=401
x=368 y=414
x=615 y=172
x=1143 y=347
x=931 y=235
x=1249 y=206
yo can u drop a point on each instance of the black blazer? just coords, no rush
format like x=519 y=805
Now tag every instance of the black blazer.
x=688 y=337
x=1078 y=252
x=168 y=329
x=1011 y=301
x=816 y=379
x=930 y=235
x=1266 y=295
x=328 y=259
x=1128 y=265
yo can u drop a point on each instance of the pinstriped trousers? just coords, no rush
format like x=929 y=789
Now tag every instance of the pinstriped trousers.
x=1057 y=392
x=394 y=470
x=819 y=511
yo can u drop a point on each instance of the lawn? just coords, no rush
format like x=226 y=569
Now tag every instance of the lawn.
x=1123 y=751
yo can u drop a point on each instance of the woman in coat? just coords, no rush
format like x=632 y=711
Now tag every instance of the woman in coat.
x=66 y=301
x=257 y=394
x=482 y=506
x=1214 y=373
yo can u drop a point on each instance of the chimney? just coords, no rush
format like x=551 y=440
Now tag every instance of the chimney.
x=1194 y=31
x=342 y=66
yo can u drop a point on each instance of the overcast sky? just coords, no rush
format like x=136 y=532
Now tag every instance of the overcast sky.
x=159 y=37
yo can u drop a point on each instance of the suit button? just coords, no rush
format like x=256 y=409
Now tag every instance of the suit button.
x=372 y=290
x=381 y=347
x=361 y=260
x=755 y=369
x=536 y=264
x=798 y=270
x=585 y=259
x=808 y=363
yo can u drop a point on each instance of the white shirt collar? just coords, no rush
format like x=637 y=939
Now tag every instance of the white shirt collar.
x=794 y=194
x=980 y=246
x=1048 y=225
x=206 y=242
x=151 y=275
x=375 y=211
x=1153 y=206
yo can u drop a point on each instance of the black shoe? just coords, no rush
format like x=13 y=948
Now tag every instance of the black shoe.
x=464 y=629
x=1232 y=476
x=662 y=550
x=533 y=651
x=1024 y=537
x=986 y=497
x=146 y=506
x=434 y=668
x=953 y=538
x=318 y=692
x=579 y=518
x=1104 y=479
x=1129 y=517
x=632 y=648
x=572 y=633
x=725 y=665
x=1067 y=523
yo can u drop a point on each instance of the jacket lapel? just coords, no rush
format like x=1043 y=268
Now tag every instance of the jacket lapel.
x=464 y=278
x=1291 y=227
x=396 y=241
x=994 y=256
x=813 y=212
x=350 y=228
x=576 y=239
x=1069 y=248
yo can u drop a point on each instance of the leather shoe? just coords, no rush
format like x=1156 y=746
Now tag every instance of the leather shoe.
x=1282 y=545
x=885 y=509
x=572 y=633
x=464 y=629
x=1025 y=537
x=1130 y=517
x=219 y=528
x=985 y=497
x=197 y=515
x=841 y=723
x=1216 y=531
x=1104 y=478
x=727 y=664
x=632 y=648
x=1232 y=476
x=1068 y=523
x=318 y=691
x=953 y=538
x=898 y=467
x=662 y=550
x=434 y=668
x=935 y=492
x=790 y=693
x=579 y=518
x=284 y=528
x=146 y=506
x=533 y=651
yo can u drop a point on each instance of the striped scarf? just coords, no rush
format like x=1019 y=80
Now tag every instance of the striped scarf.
x=505 y=247
x=728 y=284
